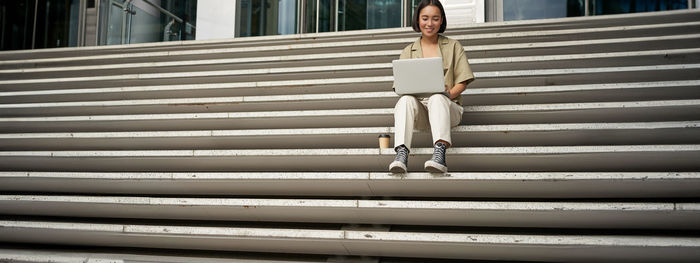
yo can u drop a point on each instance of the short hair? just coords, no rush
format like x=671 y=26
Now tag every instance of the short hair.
x=423 y=4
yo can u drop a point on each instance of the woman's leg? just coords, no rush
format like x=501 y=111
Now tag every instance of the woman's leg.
x=408 y=114
x=444 y=114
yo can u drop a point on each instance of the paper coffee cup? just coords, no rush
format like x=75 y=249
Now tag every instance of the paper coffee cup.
x=384 y=140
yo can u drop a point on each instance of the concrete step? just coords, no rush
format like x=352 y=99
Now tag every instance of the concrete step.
x=465 y=245
x=474 y=50
x=224 y=89
x=651 y=55
x=250 y=74
x=613 y=215
x=611 y=158
x=28 y=256
x=356 y=100
x=276 y=64
x=633 y=111
x=62 y=254
x=521 y=185
x=565 y=46
x=593 y=92
x=244 y=82
x=464 y=136
x=601 y=59
x=596 y=75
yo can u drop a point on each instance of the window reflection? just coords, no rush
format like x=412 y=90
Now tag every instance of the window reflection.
x=354 y=15
x=17 y=22
x=606 y=7
x=540 y=9
x=266 y=17
x=363 y=14
x=383 y=14
x=273 y=17
x=143 y=21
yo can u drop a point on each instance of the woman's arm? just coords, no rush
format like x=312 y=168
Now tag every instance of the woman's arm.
x=463 y=74
x=457 y=90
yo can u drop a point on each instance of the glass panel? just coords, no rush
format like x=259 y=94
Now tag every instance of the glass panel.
x=17 y=21
x=287 y=17
x=576 y=8
x=383 y=14
x=411 y=11
x=145 y=23
x=244 y=10
x=271 y=17
x=354 y=15
x=55 y=19
x=266 y=17
x=182 y=28
x=142 y=21
x=310 y=16
x=539 y=9
x=363 y=14
x=606 y=7
x=326 y=22
x=115 y=22
x=341 y=15
x=168 y=23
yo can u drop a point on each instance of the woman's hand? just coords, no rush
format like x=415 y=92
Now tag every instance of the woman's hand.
x=456 y=90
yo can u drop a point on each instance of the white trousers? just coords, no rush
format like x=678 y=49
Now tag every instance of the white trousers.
x=437 y=113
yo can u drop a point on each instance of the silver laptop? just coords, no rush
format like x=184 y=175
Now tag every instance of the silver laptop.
x=418 y=76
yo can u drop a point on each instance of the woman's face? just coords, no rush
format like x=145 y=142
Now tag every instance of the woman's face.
x=430 y=20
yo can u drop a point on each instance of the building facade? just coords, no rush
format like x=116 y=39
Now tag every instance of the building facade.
x=33 y=24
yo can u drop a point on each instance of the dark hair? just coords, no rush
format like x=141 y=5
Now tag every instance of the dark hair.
x=421 y=5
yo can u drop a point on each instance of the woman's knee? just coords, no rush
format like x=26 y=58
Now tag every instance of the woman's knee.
x=407 y=100
x=439 y=98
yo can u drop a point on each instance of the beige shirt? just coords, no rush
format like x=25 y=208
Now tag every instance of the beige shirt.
x=454 y=61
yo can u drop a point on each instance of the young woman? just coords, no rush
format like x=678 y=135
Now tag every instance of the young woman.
x=439 y=112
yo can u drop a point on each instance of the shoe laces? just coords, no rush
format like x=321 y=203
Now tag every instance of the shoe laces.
x=439 y=153
x=401 y=154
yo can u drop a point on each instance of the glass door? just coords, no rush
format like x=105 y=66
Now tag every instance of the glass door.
x=279 y=17
x=383 y=14
x=28 y=24
x=364 y=14
x=143 y=21
x=266 y=17
x=507 y=10
x=17 y=21
x=118 y=19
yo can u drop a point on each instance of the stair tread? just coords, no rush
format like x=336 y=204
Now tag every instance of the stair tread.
x=458 y=184
x=363 y=54
x=355 y=67
x=616 y=215
x=549 y=127
x=341 y=242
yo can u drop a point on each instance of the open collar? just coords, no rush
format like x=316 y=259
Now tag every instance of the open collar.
x=417 y=51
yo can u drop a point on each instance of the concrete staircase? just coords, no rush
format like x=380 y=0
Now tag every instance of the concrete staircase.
x=580 y=142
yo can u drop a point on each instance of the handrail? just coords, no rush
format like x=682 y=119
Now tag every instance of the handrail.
x=166 y=12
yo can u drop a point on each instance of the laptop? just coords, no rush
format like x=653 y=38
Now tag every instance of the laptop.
x=418 y=76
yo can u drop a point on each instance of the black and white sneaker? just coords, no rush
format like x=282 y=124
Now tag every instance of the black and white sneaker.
x=400 y=163
x=437 y=163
